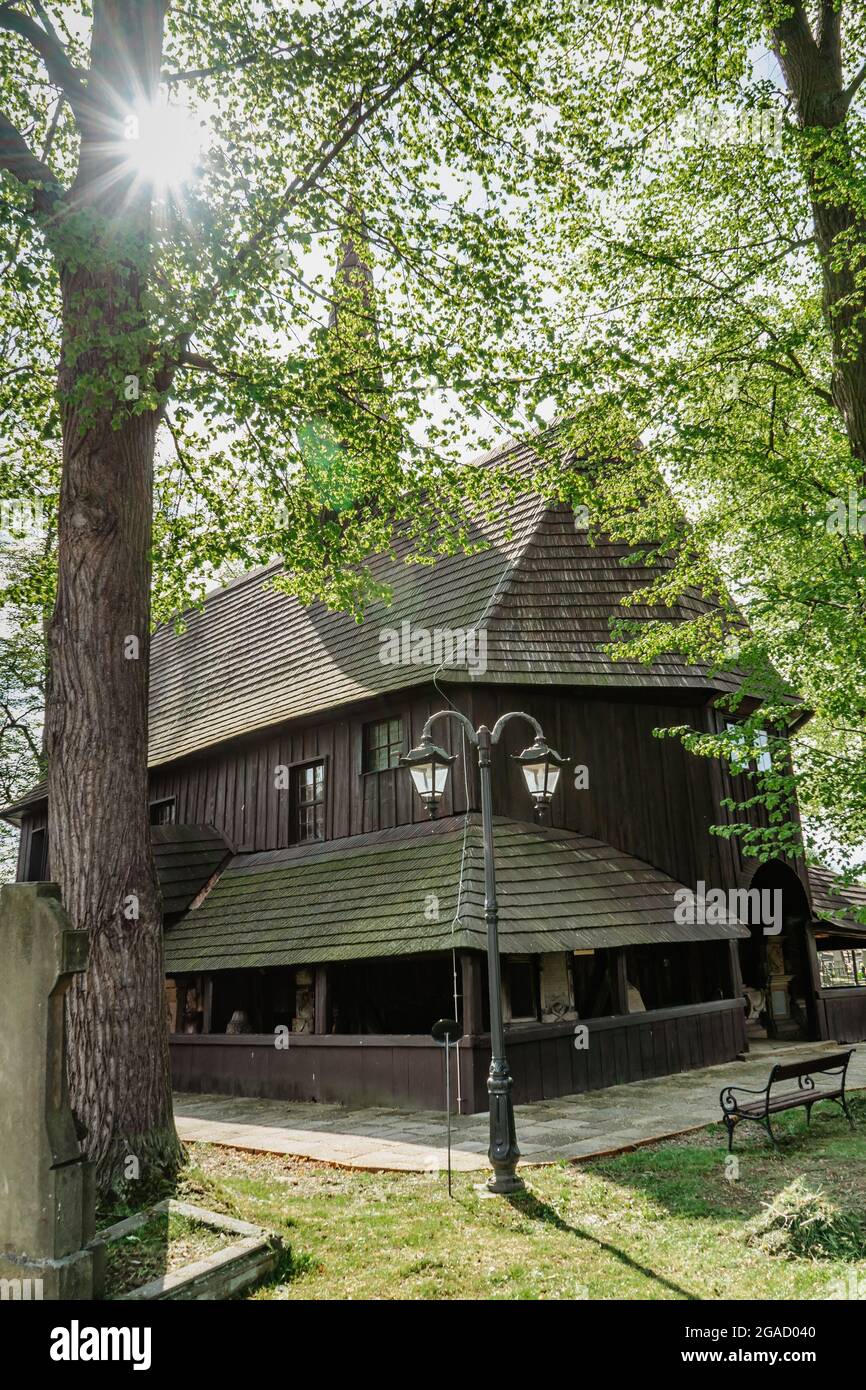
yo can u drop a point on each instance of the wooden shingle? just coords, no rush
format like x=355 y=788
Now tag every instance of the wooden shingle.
x=398 y=892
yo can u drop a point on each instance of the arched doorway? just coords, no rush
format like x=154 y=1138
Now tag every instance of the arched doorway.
x=775 y=960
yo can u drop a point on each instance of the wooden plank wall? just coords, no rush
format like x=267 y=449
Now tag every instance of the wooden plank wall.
x=646 y=796
x=407 y=1071
x=235 y=789
x=401 y=1071
x=842 y=1014
x=633 y=1047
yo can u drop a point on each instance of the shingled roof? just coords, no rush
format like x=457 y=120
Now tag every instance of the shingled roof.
x=839 y=904
x=187 y=857
x=250 y=658
x=545 y=595
x=372 y=896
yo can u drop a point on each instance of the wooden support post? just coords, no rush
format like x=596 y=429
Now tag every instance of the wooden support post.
x=180 y=987
x=599 y=992
x=470 y=964
x=814 y=1004
x=736 y=972
x=321 y=1020
x=473 y=1026
x=207 y=1004
x=693 y=950
x=618 y=981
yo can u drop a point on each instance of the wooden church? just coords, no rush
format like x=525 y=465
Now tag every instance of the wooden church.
x=317 y=922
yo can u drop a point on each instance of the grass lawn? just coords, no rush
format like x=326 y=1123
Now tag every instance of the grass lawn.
x=164 y=1244
x=662 y=1222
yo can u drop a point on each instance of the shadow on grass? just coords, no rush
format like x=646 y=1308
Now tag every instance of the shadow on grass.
x=527 y=1204
x=165 y=1243
x=291 y=1265
x=151 y=1250
x=693 y=1177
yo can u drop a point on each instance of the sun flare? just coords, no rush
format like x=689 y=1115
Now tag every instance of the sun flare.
x=164 y=145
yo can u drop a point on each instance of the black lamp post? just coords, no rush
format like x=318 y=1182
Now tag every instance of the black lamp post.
x=540 y=764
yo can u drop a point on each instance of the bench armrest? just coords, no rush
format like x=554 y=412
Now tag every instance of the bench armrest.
x=728 y=1096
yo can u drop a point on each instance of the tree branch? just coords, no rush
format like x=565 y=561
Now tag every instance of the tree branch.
x=830 y=36
x=16 y=156
x=170 y=79
x=204 y=364
x=853 y=87
x=329 y=150
x=52 y=53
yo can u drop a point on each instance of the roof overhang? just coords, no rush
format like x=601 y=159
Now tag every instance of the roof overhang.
x=420 y=889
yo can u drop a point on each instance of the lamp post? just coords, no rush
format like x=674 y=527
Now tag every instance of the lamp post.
x=429 y=765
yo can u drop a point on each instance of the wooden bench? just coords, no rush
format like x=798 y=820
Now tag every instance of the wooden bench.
x=772 y=1101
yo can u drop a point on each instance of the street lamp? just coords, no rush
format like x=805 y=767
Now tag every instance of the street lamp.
x=428 y=765
x=540 y=766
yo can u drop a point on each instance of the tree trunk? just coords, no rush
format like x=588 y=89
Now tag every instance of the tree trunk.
x=812 y=66
x=99 y=829
x=96 y=708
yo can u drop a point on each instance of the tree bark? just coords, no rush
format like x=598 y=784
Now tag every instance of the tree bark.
x=812 y=66
x=99 y=830
x=97 y=704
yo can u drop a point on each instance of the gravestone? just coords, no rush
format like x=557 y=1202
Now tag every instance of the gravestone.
x=47 y=1193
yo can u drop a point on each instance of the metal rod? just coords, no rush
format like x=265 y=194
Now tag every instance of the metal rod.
x=503 y=1152
x=448 y=1102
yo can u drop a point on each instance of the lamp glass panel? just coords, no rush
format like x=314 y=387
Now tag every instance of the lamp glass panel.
x=552 y=778
x=440 y=772
x=534 y=775
x=422 y=776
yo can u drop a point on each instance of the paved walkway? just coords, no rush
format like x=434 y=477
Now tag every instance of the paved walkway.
x=570 y=1127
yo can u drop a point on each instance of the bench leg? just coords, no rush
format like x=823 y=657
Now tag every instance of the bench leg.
x=848 y=1115
x=808 y=1109
x=770 y=1132
x=729 y=1121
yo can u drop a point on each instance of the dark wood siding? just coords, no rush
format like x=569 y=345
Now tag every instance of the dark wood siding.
x=842 y=1014
x=37 y=821
x=646 y=796
x=235 y=789
x=407 y=1071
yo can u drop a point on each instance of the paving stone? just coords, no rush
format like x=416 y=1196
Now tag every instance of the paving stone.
x=572 y=1127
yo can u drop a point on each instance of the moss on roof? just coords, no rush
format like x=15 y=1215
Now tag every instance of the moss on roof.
x=396 y=893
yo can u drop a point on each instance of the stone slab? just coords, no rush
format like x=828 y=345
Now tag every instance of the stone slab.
x=569 y=1128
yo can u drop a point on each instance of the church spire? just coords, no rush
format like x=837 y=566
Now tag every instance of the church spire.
x=353 y=280
x=352 y=327
x=340 y=443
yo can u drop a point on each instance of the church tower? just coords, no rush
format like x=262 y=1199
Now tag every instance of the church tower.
x=351 y=425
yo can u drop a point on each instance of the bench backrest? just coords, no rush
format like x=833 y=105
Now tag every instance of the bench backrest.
x=787 y=1071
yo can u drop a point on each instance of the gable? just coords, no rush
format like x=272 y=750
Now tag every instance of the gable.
x=544 y=595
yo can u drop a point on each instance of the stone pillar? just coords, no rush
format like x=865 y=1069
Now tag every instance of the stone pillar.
x=47 y=1192
x=305 y=1001
x=557 y=994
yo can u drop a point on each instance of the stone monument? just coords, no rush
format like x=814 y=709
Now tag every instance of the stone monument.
x=47 y=1190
